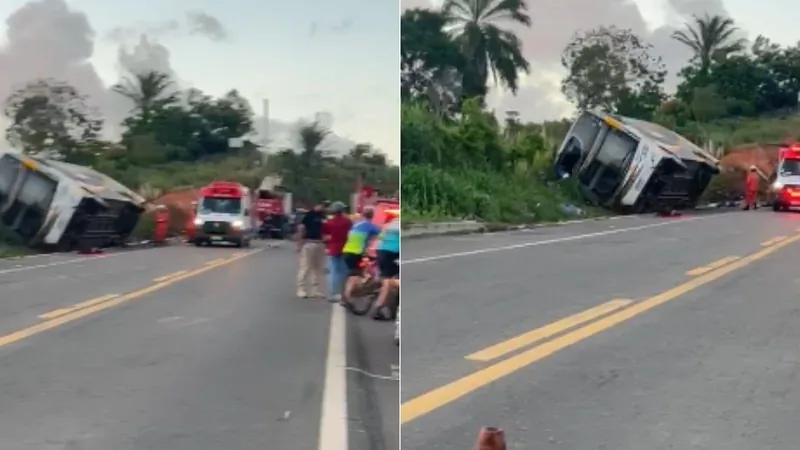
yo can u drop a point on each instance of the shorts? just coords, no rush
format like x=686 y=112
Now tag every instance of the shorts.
x=353 y=263
x=388 y=264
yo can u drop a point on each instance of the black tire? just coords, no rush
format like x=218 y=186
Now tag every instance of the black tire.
x=362 y=304
x=776 y=206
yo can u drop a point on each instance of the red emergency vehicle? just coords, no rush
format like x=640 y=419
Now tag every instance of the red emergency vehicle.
x=223 y=214
x=786 y=185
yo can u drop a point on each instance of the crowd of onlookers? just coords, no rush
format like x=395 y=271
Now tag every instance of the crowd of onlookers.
x=330 y=240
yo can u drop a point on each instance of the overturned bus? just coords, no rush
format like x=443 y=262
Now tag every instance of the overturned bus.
x=632 y=166
x=57 y=206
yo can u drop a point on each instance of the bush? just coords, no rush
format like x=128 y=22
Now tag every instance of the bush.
x=472 y=168
x=431 y=193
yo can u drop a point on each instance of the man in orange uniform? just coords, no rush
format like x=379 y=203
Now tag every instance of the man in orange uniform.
x=751 y=189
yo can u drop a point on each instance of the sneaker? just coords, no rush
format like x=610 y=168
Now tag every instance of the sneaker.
x=335 y=298
x=302 y=294
x=317 y=295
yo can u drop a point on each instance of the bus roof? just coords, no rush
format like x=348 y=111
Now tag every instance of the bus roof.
x=85 y=179
x=667 y=139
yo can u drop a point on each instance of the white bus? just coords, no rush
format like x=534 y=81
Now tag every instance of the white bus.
x=53 y=205
x=630 y=165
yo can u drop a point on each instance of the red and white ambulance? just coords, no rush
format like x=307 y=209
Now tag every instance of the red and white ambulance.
x=223 y=215
x=786 y=187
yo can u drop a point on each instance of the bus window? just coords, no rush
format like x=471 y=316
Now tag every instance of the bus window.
x=29 y=210
x=586 y=130
x=9 y=170
x=604 y=174
x=579 y=143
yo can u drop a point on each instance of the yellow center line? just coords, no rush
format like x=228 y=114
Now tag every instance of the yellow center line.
x=81 y=313
x=86 y=304
x=711 y=266
x=214 y=261
x=453 y=391
x=171 y=275
x=547 y=331
x=773 y=241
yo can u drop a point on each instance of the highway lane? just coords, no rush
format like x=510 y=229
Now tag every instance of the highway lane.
x=640 y=332
x=185 y=348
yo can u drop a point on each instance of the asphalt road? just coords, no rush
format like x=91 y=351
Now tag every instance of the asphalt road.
x=186 y=348
x=633 y=333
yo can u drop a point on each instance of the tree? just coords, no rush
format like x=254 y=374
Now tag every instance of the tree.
x=612 y=69
x=430 y=62
x=50 y=117
x=311 y=137
x=486 y=46
x=216 y=121
x=149 y=91
x=711 y=38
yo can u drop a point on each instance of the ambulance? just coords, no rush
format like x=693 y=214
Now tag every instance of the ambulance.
x=786 y=186
x=224 y=215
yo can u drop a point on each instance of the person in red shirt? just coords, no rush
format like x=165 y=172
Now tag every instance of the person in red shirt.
x=334 y=234
x=751 y=189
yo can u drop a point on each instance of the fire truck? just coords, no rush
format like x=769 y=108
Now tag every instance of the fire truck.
x=273 y=207
x=367 y=198
x=223 y=214
x=785 y=192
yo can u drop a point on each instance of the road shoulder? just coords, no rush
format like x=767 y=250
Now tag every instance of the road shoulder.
x=372 y=385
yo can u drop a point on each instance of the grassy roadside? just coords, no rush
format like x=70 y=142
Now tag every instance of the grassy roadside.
x=10 y=251
x=432 y=195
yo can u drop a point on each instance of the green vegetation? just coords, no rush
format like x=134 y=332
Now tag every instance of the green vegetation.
x=175 y=139
x=459 y=161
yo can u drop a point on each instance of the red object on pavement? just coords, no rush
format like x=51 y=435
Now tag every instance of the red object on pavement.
x=491 y=438
x=162 y=225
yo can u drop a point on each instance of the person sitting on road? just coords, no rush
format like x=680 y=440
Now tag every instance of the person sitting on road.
x=388 y=257
x=361 y=233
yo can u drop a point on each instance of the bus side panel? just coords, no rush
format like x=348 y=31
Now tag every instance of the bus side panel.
x=65 y=202
x=647 y=158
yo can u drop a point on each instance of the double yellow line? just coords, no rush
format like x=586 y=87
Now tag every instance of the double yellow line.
x=63 y=316
x=609 y=315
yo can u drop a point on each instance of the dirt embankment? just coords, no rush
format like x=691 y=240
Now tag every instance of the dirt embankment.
x=181 y=199
x=764 y=157
x=729 y=184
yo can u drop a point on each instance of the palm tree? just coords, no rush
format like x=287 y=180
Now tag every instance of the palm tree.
x=487 y=46
x=710 y=38
x=149 y=92
x=311 y=137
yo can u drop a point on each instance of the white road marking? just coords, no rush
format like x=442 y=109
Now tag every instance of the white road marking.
x=576 y=237
x=333 y=428
x=57 y=263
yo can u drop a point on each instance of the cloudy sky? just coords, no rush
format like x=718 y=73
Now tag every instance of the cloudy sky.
x=554 y=22
x=309 y=56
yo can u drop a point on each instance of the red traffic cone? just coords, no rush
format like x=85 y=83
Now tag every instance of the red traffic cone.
x=491 y=438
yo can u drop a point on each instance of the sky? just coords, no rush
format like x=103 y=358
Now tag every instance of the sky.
x=313 y=56
x=555 y=21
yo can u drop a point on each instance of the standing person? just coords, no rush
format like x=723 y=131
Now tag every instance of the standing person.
x=361 y=233
x=751 y=189
x=334 y=233
x=312 y=253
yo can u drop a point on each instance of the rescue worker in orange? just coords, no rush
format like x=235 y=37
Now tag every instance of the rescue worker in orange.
x=751 y=189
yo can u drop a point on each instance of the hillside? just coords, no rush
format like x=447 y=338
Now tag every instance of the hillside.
x=461 y=161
